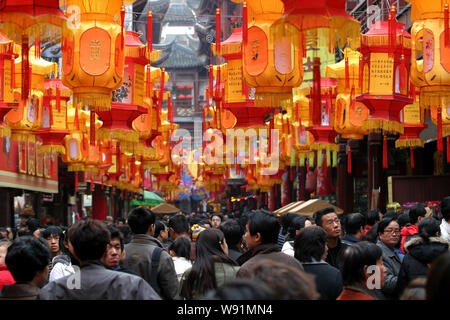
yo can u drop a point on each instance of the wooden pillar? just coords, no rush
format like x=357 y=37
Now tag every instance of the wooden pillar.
x=344 y=188
x=376 y=174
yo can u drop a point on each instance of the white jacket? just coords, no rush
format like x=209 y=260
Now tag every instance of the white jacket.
x=288 y=249
x=445 y=230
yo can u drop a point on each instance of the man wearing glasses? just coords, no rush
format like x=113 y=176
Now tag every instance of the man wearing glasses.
x=389 y=237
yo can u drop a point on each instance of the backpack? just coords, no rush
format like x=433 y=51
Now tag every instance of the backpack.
x=156 y=257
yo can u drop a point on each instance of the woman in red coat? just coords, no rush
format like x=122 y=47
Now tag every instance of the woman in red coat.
x=6 y=277
x=362 y=271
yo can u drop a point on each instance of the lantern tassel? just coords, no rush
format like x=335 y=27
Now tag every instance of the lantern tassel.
x=58 y=99
x=347 y=74
x=92 y=184
x=76 y=121
x=13 y=74
x=244 y=23
x=316 y=99
x=385 y=150
x=448 y=149
x=440 y=145
x=76 y=180
x=149 y=32
x=25 y=70
x=218 y=32
x=446 y=25
x=349 y=159
x=361 y=73
x=411 y=151
x=92 y=127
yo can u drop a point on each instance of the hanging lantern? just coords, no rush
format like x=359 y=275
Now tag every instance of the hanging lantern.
x=322 y=96
x=386 y=50
x=7 y=73
x=26 y=118
x=430 y=66
x=54 y=116
x=76 y=141
x=30 y=21
x=271 y=64
x=128 y=100
x=350 y=114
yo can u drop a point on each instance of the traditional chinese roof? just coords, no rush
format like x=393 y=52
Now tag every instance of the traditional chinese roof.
x=179 y=14
x=178 y=56
x=159 y=9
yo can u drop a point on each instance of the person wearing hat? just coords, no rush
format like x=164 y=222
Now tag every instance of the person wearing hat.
x=196 y=229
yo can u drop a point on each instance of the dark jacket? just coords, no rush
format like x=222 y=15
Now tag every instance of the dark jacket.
x=407 y=233
x=333 y=257
x=420 y=255
x=234 y=252
x=139 y=259
x=19 y=291
x=262 y=252
x=392 y=263
x=350 y=239
x=96 y=282
x=328 y=279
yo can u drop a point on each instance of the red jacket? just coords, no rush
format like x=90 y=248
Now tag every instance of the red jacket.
x=407 y=231
x=6 y=277
x=349 y=294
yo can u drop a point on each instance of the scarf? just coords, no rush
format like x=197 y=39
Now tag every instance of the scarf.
x=260 y=249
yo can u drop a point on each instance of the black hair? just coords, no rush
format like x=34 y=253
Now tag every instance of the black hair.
x=182 y=247
x=354 y=222
x=297 y=223
x=417 y=211
x=202 y=276
x=391 y=214
x=140 y=219
x=438 y=280
x=445 y=208
x=115 y=233
x=373 y=217
x=266 y=223
x=217 y=215
x=286 y=282
x=241 y=289
x=355 y=258
x=179 y=223
x=319 y=214
x=429 y=227
x=51 y=230
x=372 y=234
x=89 y=239
x=403 y=220
x=33 y=224
x=310 y=244
x=384 y=223
x=285 y=222
x=159 y=226
x=233 y=232
x=26 y=256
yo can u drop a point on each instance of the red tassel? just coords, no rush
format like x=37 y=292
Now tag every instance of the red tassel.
x=103 y=185
x=58 y=99
x=244 y=23
x=385 y=151
x=290 y=173
x=149 y=31
x=76 y=122
x=161 y=96
x=218 y=32
x=347 y=74
x=440 y=145
x=92 y=128
x=151 y=182
x=361 y=73
x=211 y=78
x=349 y=159
x=316 y=93
x=271 y=126
x=25 y=69
x=392 y=28
x=37 y=47
x=411 y=151
x=76 y=180
x=448 y=149
x=122 y=20
x=307 y=166
x=446 y=25
x=13 y=74
x=92 y=184
x=50 y=113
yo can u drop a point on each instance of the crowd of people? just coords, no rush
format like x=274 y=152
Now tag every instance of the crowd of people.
x=253 y=255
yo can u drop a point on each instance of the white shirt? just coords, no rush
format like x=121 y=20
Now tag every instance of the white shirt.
x=181 y=265
x=445 y=230
x=288 y=249
x=60 y=270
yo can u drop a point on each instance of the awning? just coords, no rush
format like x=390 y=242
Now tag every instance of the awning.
x=309 y=207
x=287 y=207
x=27 y=182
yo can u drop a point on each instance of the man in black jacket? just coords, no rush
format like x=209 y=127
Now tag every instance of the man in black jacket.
x=354 y=228
x=329 y=221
